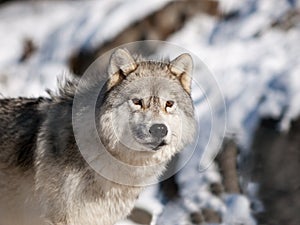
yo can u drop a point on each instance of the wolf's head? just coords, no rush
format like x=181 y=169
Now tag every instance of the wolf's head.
x=148 y=112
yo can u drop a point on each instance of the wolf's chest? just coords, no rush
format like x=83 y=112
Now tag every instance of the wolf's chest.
x=112 y=206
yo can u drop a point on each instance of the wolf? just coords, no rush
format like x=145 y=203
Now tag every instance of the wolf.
x=143 y=116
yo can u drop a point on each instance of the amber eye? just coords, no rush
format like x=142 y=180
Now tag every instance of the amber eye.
x=169 y=103
x=137 y=101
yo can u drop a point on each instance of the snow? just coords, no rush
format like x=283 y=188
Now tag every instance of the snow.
x=257 y=69
x=238 y=210
x=57 y=28
x=249 y=70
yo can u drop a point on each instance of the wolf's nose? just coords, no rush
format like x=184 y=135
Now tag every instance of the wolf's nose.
x=158 y=130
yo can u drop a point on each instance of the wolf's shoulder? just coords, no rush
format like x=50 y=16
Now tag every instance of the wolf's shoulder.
x=20 y=120
x=17 y=111
x=12 y=104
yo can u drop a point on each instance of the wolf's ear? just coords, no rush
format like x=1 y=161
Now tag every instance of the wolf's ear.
x=120 y=65
x=182 y=68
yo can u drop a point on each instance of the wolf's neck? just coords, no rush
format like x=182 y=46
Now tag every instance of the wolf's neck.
x=114 y=170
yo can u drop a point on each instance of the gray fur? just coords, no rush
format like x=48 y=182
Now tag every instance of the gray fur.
x=45 y=180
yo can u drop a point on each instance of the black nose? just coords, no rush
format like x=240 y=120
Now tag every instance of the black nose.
x=158 y=130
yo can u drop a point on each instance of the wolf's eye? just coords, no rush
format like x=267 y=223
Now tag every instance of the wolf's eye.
x=137 y=101
x=169 y=103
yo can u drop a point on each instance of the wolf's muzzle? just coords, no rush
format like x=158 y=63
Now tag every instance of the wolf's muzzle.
x=158 y=130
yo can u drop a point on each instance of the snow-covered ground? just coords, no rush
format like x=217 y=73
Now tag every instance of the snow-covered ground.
x=255 y=73
x=257 y=69
x=57 y=28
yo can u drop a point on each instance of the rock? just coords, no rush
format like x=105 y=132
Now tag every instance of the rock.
x=196 y=217
x=211 y=216
x=227 y=162
x=140 y=216
x=275 y=167
x=28 y=49
x=216 y=188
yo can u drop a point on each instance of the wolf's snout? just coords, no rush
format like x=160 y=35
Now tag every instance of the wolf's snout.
x=158 y=130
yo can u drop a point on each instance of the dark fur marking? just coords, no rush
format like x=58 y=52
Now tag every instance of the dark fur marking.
x=24 y=116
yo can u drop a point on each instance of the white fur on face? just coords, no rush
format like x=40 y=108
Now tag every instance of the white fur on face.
x=131 y=119
x=133 y=125
x=150 y=94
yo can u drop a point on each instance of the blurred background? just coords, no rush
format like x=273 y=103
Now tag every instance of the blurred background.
x=252 y=47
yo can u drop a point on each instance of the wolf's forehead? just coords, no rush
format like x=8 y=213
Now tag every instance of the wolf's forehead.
x=154 y=86
x=152 y=68
x=152 y=65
